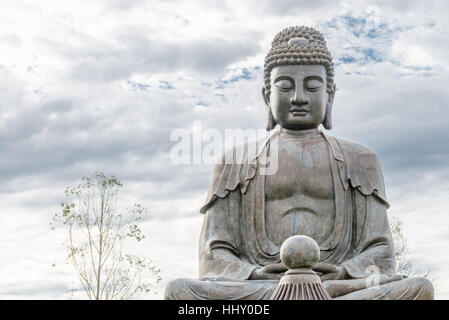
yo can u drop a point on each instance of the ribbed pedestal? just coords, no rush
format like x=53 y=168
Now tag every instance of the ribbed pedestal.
x=300 y=284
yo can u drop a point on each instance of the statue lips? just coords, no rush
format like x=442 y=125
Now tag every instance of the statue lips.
x=299 y=111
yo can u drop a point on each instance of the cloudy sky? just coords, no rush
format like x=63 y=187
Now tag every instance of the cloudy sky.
x=100 y=85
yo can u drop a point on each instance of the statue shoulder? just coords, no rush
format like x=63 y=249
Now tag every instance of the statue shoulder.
x=363 y=169
x=358 y=155
x=239 y=154
x=353 y=147
x=234 y=171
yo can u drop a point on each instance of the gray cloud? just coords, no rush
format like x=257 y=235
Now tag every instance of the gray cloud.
x=31 y=291
x=98 y=60
x=292 y=7
x=404 y=120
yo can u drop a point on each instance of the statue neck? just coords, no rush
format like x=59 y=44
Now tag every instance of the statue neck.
x=300 y=134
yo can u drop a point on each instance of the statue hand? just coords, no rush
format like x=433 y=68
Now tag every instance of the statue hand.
x=261 y=274
x=275 y=268
x=330 y=271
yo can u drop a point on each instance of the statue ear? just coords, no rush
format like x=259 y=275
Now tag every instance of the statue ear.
x=327 y=122
x=271 y=123
x=266 y=96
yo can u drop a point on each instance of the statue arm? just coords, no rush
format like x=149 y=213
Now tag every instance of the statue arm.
x=219 y=242
x=371 y=242
x=374 y=247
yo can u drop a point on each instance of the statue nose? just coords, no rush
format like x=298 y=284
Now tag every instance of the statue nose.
x=299 y=98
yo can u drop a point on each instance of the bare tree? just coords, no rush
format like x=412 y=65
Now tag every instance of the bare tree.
x=403 y=262
x=97 y=232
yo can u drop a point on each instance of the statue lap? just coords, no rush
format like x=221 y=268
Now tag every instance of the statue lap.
x=417 y=288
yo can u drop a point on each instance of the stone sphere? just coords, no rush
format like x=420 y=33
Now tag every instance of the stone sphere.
x=300 y=252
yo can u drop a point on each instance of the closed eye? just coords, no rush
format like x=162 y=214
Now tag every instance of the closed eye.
x=284 y=85
x=313 y=85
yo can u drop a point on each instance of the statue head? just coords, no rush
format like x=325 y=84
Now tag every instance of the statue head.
x=299 y=80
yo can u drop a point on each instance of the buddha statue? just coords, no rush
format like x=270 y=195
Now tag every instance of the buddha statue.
x=327 y=188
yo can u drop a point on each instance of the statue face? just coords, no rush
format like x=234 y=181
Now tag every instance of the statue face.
x=298 y=96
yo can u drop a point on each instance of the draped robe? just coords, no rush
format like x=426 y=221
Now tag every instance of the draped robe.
x=234 y=240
